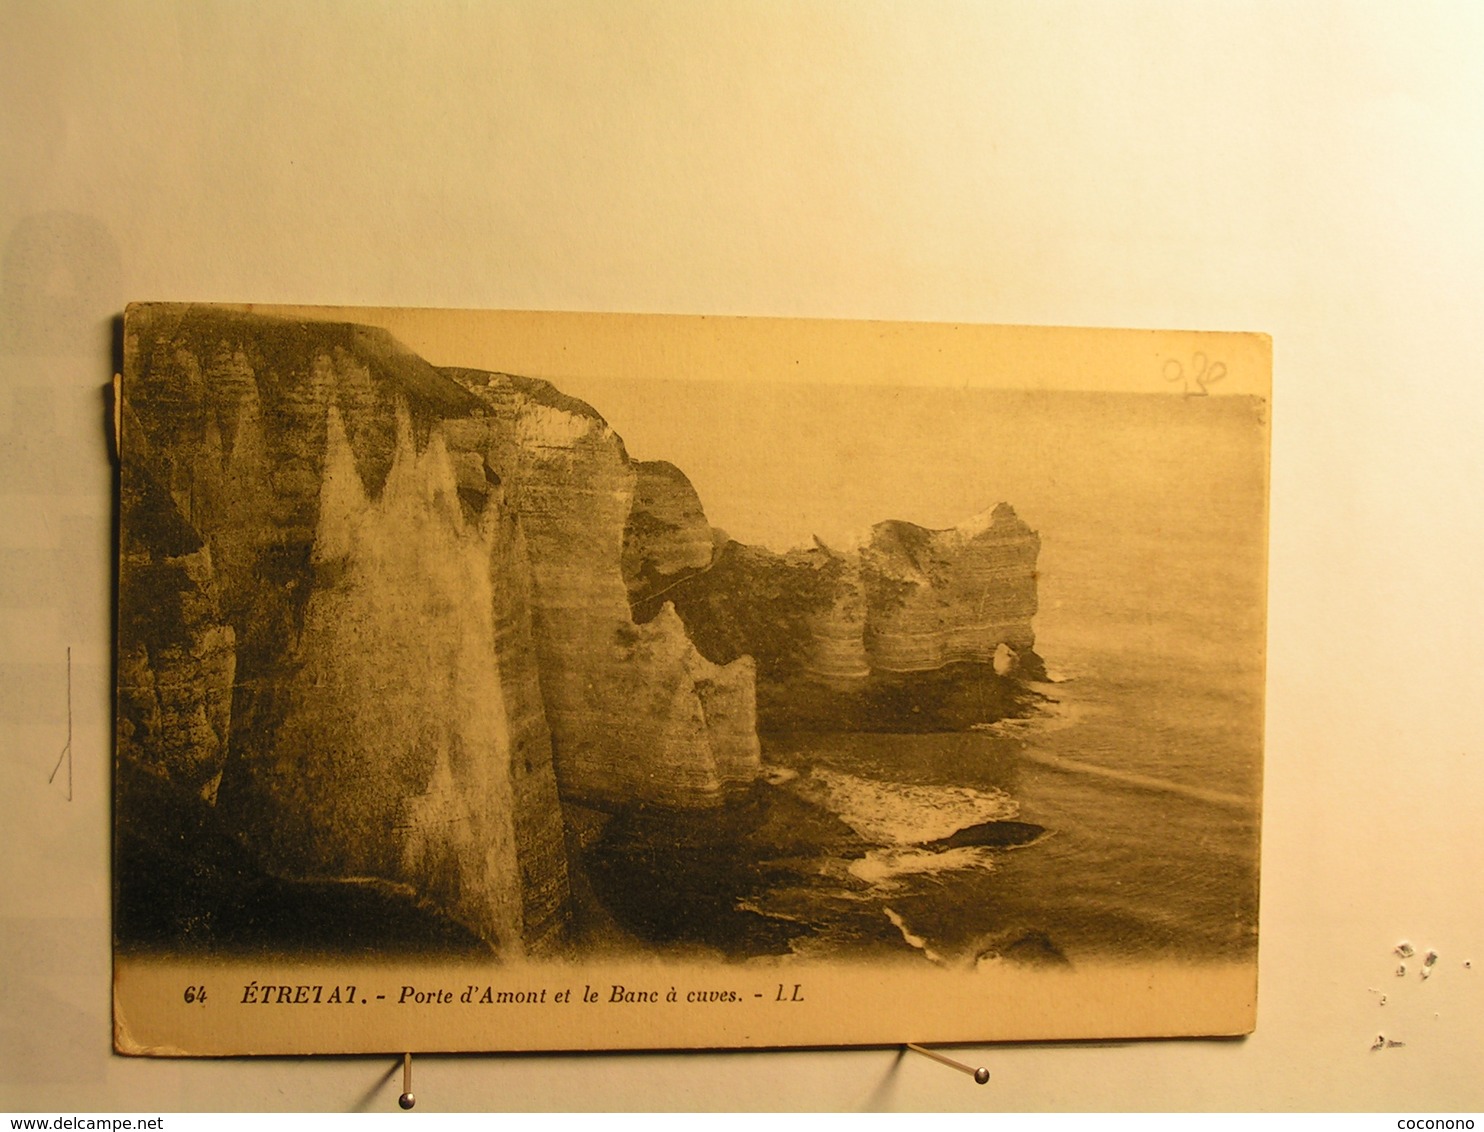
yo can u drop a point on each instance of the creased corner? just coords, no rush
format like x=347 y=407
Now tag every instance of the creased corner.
x=124 y=1041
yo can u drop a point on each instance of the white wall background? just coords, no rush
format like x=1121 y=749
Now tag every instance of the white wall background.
x=1312 y=170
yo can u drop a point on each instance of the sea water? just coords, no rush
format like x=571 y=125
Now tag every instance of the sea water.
x=1141 y=759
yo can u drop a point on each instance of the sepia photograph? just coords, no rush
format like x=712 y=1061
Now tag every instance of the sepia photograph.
x=520 y=681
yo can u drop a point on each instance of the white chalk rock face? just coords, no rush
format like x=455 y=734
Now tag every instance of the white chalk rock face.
x=325 y=631
x=394 y=755
x=636 y=714
x=389 y=626
x=951 y=595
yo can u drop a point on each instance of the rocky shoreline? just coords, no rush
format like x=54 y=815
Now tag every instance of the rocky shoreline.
x=422 y=638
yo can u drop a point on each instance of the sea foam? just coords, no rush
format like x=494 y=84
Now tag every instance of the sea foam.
x=899 y=813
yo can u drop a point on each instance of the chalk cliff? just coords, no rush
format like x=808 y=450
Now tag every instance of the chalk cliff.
x=665 y=533
x=373 y=623
x=177 y=654
x=627 y=703
x=383 y=726
x=940 y=597
x=394 y=639
x=914 y=629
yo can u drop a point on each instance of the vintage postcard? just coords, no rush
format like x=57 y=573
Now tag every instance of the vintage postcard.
x=519 y=681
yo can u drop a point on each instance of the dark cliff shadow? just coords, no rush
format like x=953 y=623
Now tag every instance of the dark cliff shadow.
x=674 y=878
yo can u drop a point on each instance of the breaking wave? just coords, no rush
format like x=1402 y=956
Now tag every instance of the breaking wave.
x=884 y=868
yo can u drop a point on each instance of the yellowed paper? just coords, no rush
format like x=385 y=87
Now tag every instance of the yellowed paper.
x=538 y=681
